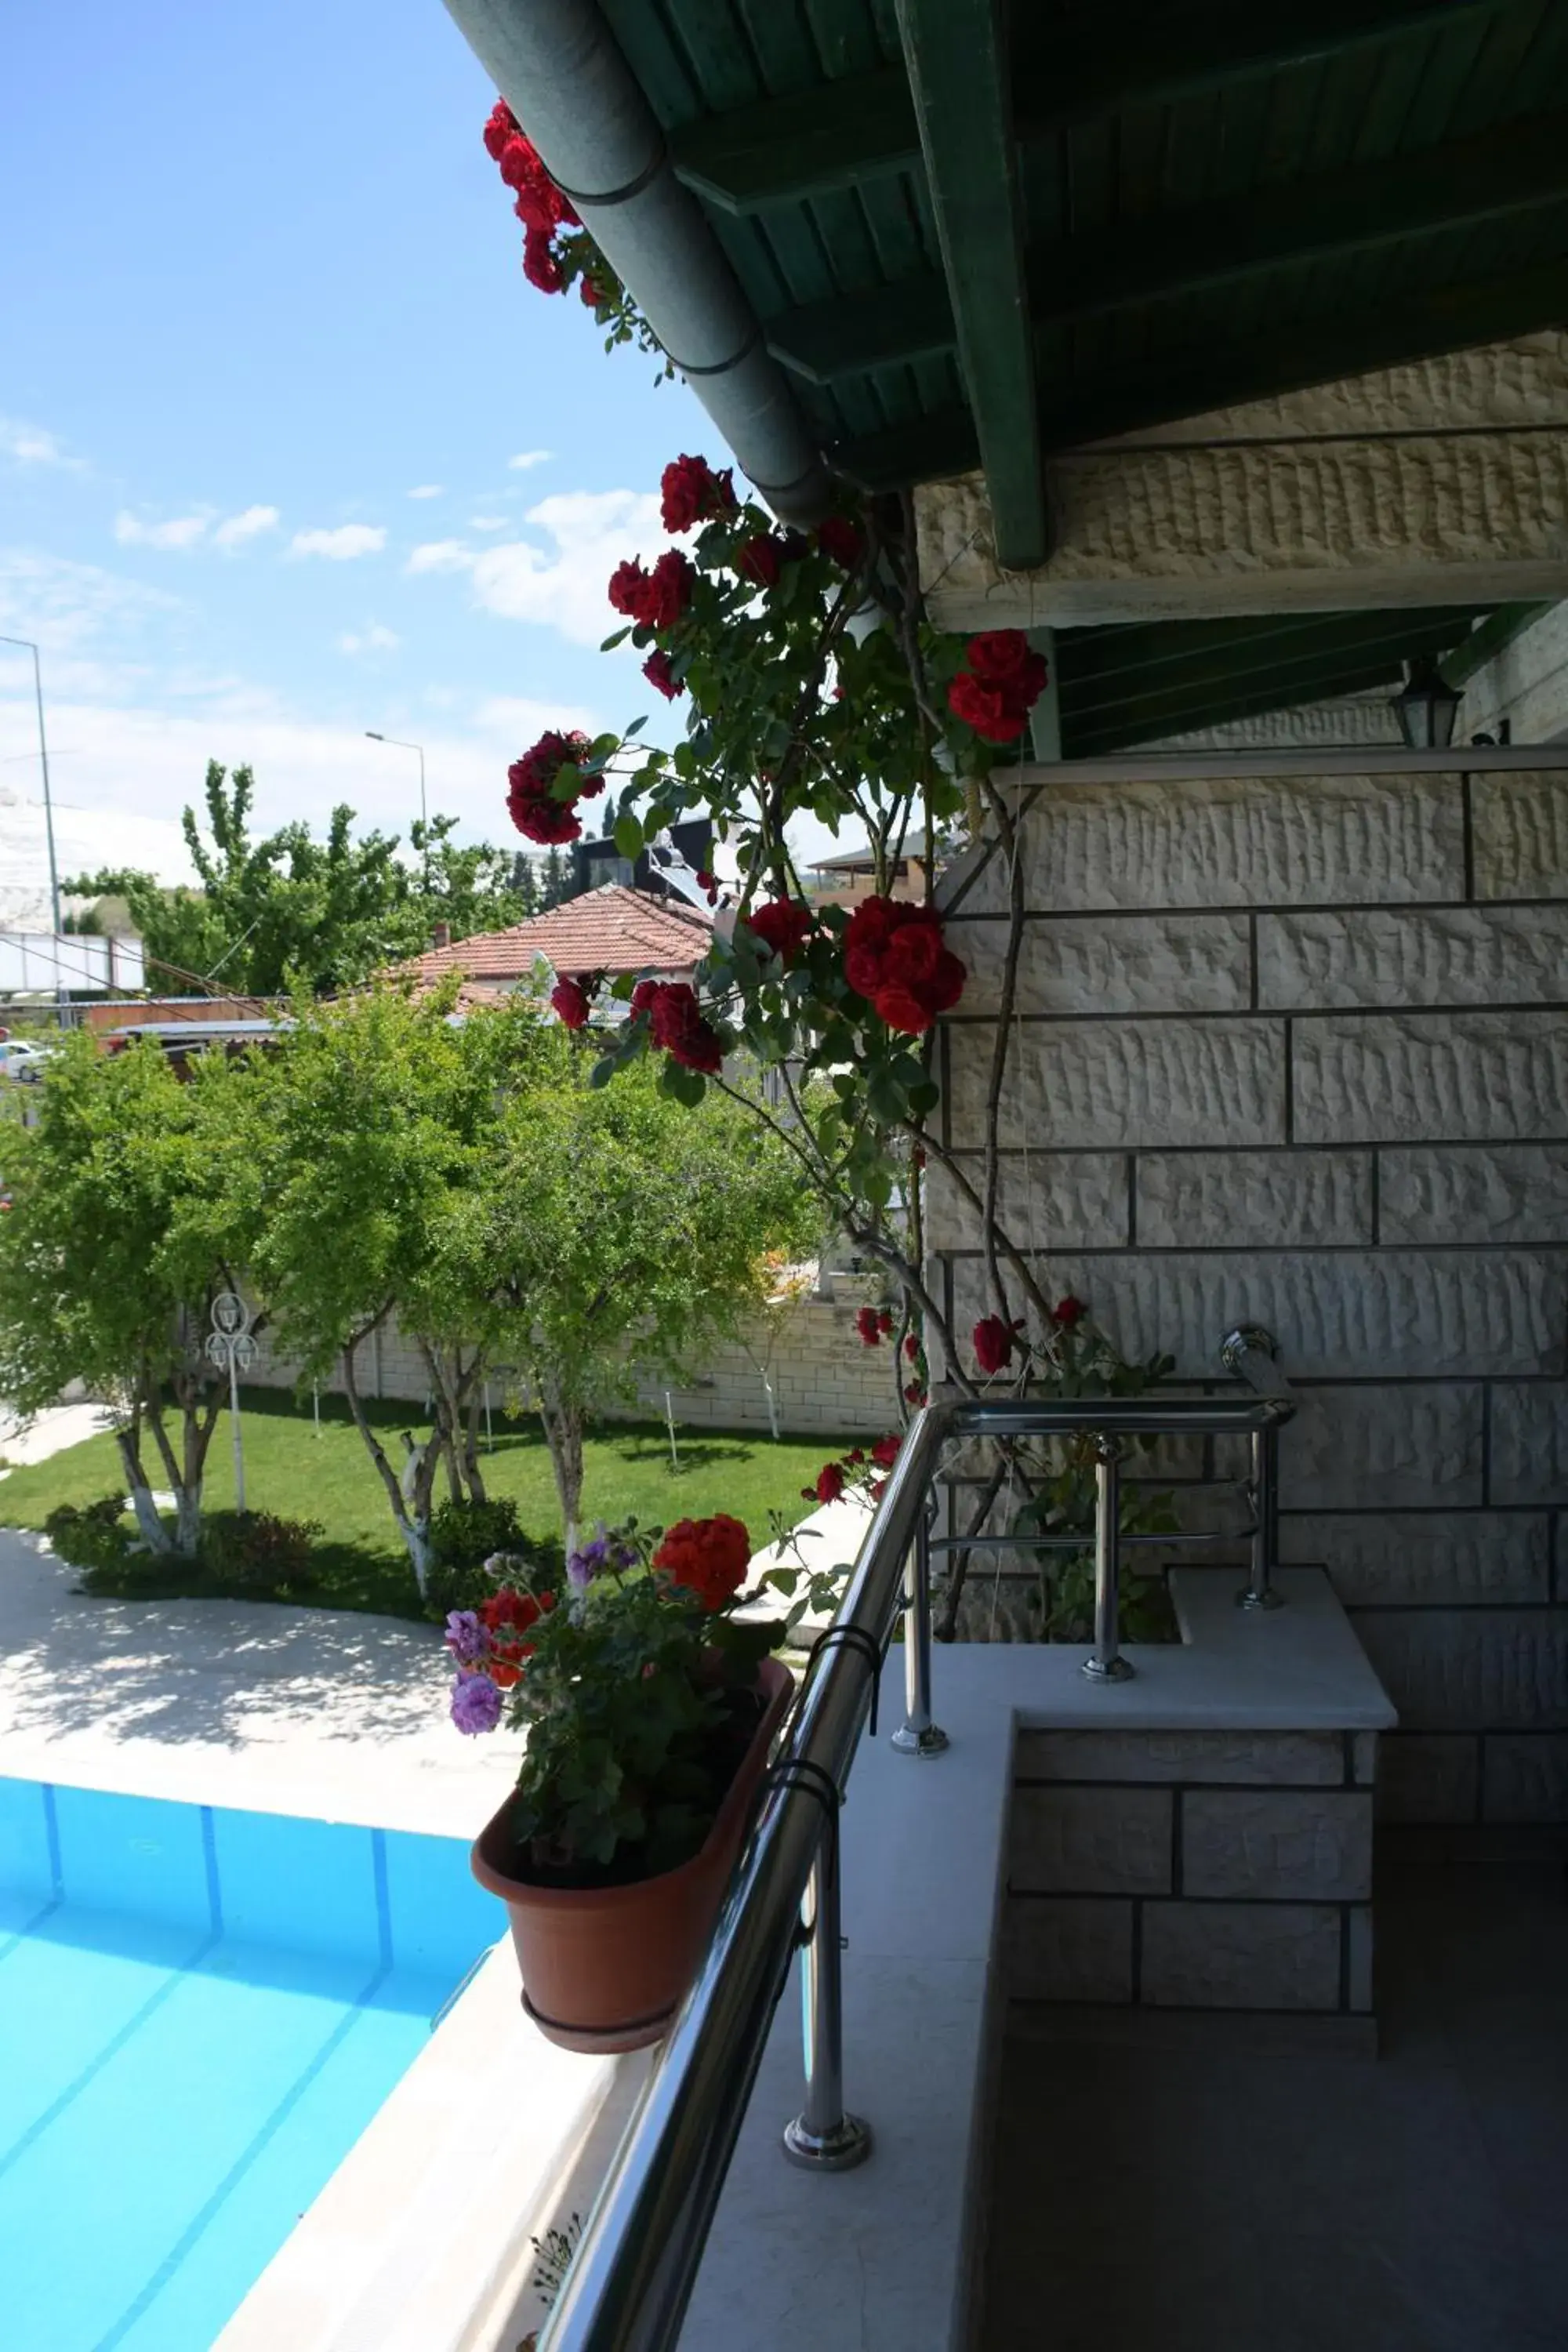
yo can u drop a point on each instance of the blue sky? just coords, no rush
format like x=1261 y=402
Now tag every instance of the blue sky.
x=270 y=368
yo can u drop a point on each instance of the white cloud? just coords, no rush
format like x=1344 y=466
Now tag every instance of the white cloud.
x=29 y=444
x=526 y=459
x=245 y=525
x=79 y=615
x=562 y=586
x=429 y=490
x=375 y=639
x=340 y=546
x=181 y=531
x=487 y=523
x=440 y=555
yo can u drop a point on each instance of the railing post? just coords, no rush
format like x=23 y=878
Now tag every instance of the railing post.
x=823 y=2137
x=918 y=1734
x=1260 y=1591
x=1106 y=1665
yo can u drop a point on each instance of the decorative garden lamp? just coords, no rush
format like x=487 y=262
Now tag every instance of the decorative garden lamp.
x=1426 y=708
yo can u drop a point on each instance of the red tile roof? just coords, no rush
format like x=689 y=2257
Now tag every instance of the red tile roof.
x=611 y=930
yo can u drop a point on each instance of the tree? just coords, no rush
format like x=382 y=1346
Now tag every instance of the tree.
x=288 y=910
x=628 y=1232
x=134 y=1202
x=381 y=1118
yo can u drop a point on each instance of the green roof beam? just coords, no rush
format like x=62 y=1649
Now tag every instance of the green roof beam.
x=1495 y=634
x=958 y=73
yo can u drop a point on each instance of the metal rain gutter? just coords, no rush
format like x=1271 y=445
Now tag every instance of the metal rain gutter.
x=558 y=67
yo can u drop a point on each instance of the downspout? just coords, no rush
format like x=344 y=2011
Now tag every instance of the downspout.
x=558 y=67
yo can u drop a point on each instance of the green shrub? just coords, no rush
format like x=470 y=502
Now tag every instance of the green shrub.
x=463 y=1536
x=91 y=1536
x=256 y=1552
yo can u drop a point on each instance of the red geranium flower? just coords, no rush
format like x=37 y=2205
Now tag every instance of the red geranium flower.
x=841 y=540
x=885 y=1452
x=760 y=558
x=707 y=1558
x=781 y=924
x=993 y=1344
x=1068 y=1311
x=655 y=669
x=506 y=1616
x=692 y=492
x=571 y=1002
x=829 y=1483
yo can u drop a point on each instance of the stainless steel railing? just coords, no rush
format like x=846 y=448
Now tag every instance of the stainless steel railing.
x=631 y=2279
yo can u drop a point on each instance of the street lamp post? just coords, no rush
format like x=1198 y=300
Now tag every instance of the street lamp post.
x=29 y=646
x=372 y=737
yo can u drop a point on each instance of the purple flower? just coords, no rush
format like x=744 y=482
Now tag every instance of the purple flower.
x=476 y=1703
x=466 y=1637
x=583 y=1565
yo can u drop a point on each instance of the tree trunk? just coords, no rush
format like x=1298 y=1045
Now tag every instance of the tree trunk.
x=153 y=1533
x=413 y=1525
x=563 y=1435
x=471 y=1443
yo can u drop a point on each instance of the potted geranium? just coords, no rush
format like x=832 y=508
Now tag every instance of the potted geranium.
x=650 y=1711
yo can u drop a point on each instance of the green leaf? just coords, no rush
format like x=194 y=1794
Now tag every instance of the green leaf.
x=603 y=1070
x=628 y=836
x=635 y=726
x=683 y=1085
x=617 y=637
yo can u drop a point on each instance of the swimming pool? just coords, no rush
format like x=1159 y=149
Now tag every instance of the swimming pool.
x=200 y=2012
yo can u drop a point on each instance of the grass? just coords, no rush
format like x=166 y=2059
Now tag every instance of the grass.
x=359 y=1562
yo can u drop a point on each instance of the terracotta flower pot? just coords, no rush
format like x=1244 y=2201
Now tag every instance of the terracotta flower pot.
x=605 y=1967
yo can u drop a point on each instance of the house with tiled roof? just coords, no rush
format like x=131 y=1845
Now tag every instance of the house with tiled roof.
x=613 y=929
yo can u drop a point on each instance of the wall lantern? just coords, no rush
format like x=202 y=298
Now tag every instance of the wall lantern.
x=1426 y=708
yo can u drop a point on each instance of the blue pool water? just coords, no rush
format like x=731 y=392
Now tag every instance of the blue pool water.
x=200 y=2012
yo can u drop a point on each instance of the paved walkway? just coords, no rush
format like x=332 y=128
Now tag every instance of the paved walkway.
x=49 y=1431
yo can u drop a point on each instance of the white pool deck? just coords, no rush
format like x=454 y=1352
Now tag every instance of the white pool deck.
x=420 y=2242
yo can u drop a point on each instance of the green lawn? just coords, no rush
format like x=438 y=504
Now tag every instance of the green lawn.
x=361 y=1564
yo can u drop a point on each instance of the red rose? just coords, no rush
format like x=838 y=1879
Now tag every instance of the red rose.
x=993 y=1344
x=1005 y=658
x=534 y=810
x=677 y=1026
x=990 y=710
x=886 y=1320
x=541 y=264
x=1068 y=1311
x=692 y=492
x=829 y=1483
x=657 y=671
x=760 y=558
x=871 y=926
x=914 y=1393
x=571 y=1002
x=625 y=591
x=912 y=952
x=856 y=1456
x=912 y=1347
x=502 y=126
x=668 y=591
x=781 y=924
x=841 y=540
x=643 y=996
x=868 y=1323
x=707 y=1558
x=902 y=1010
x=885 y=1452
x=894 y=957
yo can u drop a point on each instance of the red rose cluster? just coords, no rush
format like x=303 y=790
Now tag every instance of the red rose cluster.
x=998 y=688
x=690 y=491
x=874 y=1324
x=676 y=1023
x=505 y=1617
x=569 y=999
x=655 y=599
x=894 y=957
x=841 y=541
x=783 y=925
x=707 y=1558
x=539 y=204
x=533 y=810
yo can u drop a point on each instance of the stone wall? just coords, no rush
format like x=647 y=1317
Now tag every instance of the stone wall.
x=1193 y=1870
x=825 y=1381
x=1292 y=1050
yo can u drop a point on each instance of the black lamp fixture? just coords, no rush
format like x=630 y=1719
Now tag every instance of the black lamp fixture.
x=1426 y=708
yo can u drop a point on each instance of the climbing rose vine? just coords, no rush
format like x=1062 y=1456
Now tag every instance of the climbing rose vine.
x=558 y=252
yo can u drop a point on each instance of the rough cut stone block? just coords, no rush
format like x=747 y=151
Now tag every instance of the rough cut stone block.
x=1505 y=1192
x=1425 y=1777
x=1520 y=824
x=1241 y=1956
x=1098 y=963
x=1530 y=1441
x=1225 y=1200
x=1238 y=841
x=1471 y=1669
x=1428 y=1556
x=1047 y=1200
x=1067 y=1952
x=1378 y=1447
x=1449 y=1077
x=1291 y=1759
x=1351 y=1314
x=1361 y=1942
x=1090 y=1841
x=1525 y=1778
x=1277 y=1845
x=1450 y=955
x=1117 y=1084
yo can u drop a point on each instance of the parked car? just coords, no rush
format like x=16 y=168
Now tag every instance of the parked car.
x=19 y=1058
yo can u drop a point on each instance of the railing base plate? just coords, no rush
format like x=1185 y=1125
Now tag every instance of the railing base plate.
x=1247 y=1598
x=1115 y=1670
x=840 y=2150
x=932 y=1741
